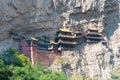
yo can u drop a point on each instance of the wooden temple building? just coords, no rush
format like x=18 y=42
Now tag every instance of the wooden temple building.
x=43 y=42
x=93 y=35
x=66 y=38
x=34 y=48
x=47 y=50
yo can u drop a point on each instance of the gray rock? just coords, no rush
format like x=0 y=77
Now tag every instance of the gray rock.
x=39 y=17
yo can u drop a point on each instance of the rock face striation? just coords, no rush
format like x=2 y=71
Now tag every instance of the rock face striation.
x=45 y=17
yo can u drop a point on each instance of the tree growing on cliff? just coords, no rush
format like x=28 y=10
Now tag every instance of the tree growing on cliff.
x=12 y=56
x=15 y=66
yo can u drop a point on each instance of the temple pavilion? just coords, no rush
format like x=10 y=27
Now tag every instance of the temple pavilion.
x=93 y=35
x=66 y=38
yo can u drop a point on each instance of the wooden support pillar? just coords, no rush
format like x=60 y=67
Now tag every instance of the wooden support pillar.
x=31 y=52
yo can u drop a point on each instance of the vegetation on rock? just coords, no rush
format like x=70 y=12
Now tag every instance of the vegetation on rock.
x=16 y=66
x=115 y=74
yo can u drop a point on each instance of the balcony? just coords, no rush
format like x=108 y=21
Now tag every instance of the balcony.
x=66 y=42
x=67 y=36
x=91 y=37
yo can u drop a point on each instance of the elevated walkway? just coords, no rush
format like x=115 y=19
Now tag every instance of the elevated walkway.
x=91 y=37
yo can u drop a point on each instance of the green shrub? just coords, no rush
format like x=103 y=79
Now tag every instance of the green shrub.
x=60 y=60
x=15 y=66
x=76 y=78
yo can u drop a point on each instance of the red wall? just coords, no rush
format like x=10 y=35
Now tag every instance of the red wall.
x=45 y=57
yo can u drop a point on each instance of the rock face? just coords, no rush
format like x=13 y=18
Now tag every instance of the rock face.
x=39 y=17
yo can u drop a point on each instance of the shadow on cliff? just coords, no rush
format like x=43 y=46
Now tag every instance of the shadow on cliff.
x=111 y=17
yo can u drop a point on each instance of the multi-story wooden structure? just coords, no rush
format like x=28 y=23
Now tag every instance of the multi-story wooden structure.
x=42 y=42
x=66 y=38
x=93 y=35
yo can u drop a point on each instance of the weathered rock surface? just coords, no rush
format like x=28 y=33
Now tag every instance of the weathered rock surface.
x=39 y=17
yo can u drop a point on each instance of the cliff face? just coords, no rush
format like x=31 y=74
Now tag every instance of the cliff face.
x=39 y=17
